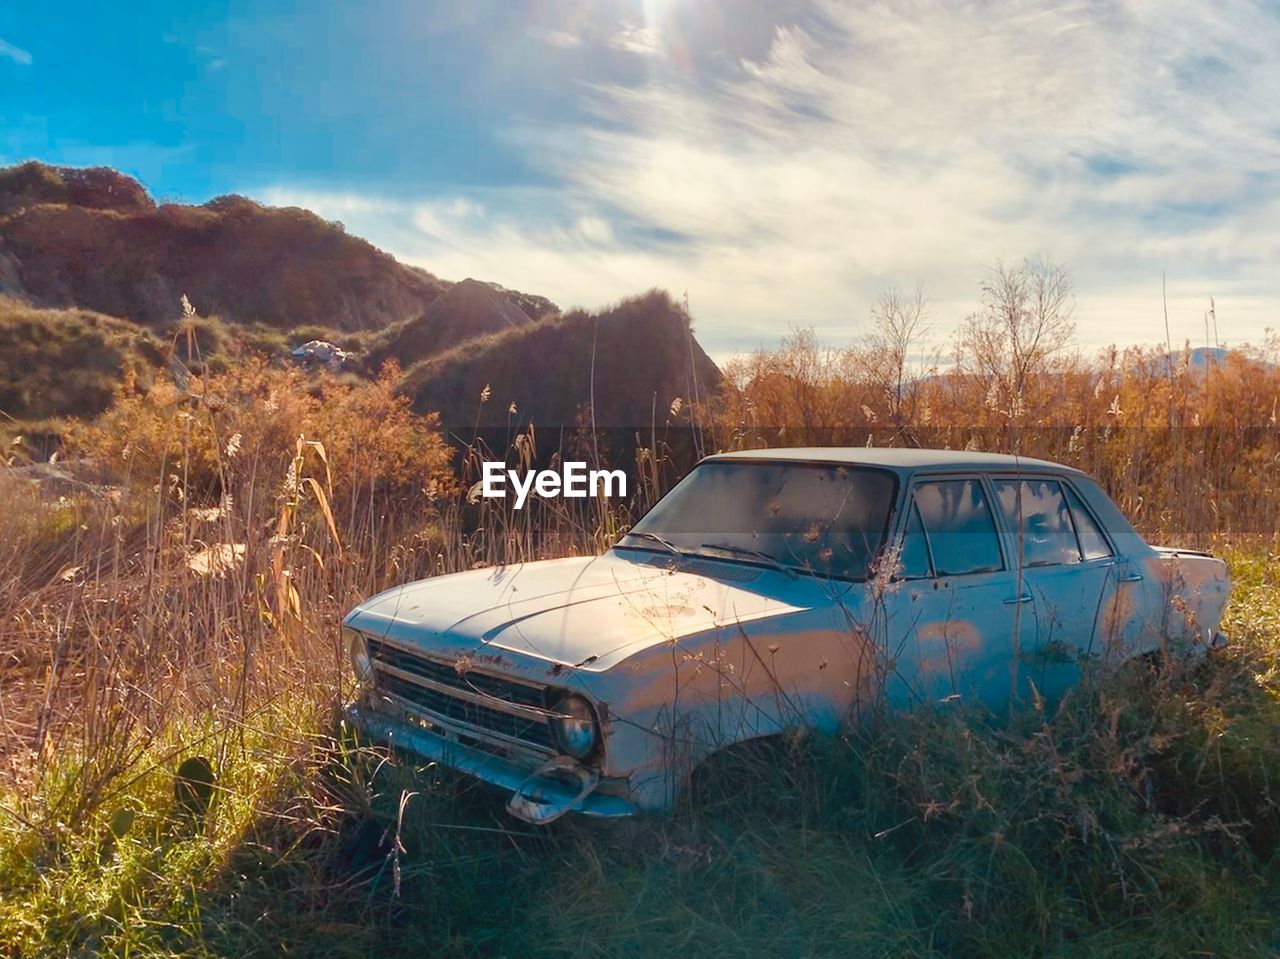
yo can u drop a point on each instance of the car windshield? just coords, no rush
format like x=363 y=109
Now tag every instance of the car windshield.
x=824 y=519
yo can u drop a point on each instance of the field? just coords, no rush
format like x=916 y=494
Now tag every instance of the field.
x=173 y=592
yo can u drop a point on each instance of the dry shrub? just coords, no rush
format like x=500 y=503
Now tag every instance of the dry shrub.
x=236 y=516
x=209 y=437
x=1189 y=453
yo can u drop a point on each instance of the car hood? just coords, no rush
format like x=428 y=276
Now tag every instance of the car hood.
x=589 y=612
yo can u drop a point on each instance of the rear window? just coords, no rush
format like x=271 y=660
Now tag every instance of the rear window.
x=1036 y=510
x=1052 y=526
x=1093 y=545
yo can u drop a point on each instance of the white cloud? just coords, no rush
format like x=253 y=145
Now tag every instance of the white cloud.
x=556 y=38
x=16 y=54
x=872 y=147
x=643 y=41
x=328 y=204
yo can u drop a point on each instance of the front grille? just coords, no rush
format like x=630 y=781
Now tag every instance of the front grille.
x=446 y=675
x=535 y=732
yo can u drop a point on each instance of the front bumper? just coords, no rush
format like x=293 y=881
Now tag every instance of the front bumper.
x=536 y=798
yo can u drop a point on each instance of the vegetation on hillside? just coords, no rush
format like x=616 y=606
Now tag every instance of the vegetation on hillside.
x=621 y=367
x=94 y=188
x=469 y=309
x=67 y=362
x=93 y=239
x=265 y=279
x=63 y=363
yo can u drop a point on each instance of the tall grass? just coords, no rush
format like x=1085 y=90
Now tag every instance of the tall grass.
x=182 y=600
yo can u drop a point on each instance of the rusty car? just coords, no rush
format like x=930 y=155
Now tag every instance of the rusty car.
x=769 y=591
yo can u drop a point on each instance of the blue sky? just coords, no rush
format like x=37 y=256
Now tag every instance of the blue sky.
x=784 y=162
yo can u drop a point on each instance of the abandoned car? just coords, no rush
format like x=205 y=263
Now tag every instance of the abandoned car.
x=769 y=590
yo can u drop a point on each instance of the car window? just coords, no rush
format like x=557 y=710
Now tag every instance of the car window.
x=960 y=528
x=1037 y=513
x=825 y=519
x=1093 y=545
x=913 y=561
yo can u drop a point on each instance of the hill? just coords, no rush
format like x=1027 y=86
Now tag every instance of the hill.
x=633 y=360
x=467 y=309
x=94 y=188
x=1200 y=359
x=94 y=239
x=94 y=271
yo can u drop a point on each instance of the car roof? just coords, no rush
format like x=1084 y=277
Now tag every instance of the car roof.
x=897 y=458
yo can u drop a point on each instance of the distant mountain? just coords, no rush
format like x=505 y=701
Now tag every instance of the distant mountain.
x=1202 y=357
x=1199 y=360
x=632 y=362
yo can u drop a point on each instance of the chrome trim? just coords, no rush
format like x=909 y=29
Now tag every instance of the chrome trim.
x=476 y=698
x=473 y=762
x=453 y=663
x=454 y=728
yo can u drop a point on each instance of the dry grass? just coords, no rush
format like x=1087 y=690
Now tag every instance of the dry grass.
x=65 y=362
x=183 y=601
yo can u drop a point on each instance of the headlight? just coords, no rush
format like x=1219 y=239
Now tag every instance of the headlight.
x=358 y=654
x=574 y=723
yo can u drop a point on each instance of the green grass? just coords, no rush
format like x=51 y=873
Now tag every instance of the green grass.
x=1139 y=818
x=66 y=362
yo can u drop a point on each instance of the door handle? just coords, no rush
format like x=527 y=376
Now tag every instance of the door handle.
x=1015 y=600
x=1131 y=578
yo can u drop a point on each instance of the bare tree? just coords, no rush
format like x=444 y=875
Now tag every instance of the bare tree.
x=1024 y=324
x=900 y=324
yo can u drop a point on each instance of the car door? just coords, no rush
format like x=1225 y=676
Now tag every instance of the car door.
x=1122 y=627
x=1063 y=566
x=952 y=620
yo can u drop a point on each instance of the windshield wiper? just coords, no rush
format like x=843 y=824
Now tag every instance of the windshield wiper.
x=756 y=554
x=655 y=538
